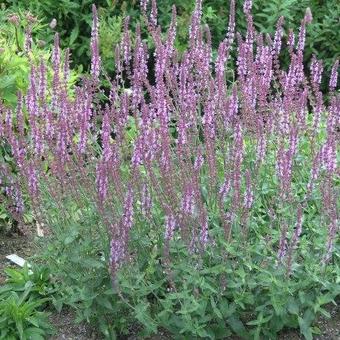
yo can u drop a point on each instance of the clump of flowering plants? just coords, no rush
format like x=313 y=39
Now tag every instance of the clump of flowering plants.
x=212 y=194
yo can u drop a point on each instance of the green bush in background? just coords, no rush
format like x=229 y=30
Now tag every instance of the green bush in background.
x=74 y=19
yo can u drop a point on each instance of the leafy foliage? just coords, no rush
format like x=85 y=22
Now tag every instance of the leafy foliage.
x=73 y=21
x=235 y=288
x=22 y=302
x=15 y=61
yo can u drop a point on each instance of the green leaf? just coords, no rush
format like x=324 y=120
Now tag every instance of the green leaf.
x=34 y=334
x=142 y=315
x=305 y=329
x=260 y=320
x=102 y=301
x=305 y=324
x=237 y=326
x=74 y=35
x=91 y=263
x=215 y=309
x=292 y=306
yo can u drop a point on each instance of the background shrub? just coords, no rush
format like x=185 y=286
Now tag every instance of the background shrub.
x=73 y=22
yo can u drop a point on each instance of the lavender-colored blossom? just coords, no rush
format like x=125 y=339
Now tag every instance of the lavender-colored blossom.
x=225 y=188
x=102 y=181
x=144 y=5
x=126 y=44
x=95 y=57
x=11 y=188
x=302 y=36
x=153 y=14
x=12 y=191
x=316 y=72
x=231 y=24
x=117 y=254
x=329 y=155
x=298 y=227
x=188 y=200
x=334 y=76
x=128 y=212
x=314 y=172
x=208 y=119
x=146 y=201
x=137 y=155
x=308 y=15
x=84 y=117
x=62 y=138
x=291 y=41
x=195 y=23
x=204 y=231
x=55 y=103
x=42 y=86
x=278 y=36
x=34 y=113
x=67 y=66
x=241 y=59
x=301 y=113
x=140 y=71
x=199 y=161
x=171 y=33
x=247 y=5
x=261 y=148
x=32 y=178
x=170 y=225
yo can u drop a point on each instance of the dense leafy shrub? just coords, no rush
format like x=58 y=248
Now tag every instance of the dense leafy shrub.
x=73 y=22
x=192 y=197
x=18 y=51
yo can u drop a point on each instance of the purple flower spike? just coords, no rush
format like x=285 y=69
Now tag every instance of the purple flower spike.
x=95 y=57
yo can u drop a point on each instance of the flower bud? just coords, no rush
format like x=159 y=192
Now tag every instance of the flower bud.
x=31 y=19
x=308 y=16
x=14 y=19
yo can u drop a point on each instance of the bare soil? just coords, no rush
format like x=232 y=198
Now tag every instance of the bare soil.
x=15 y=243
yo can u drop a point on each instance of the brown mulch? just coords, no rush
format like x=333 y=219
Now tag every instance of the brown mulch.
x=67 y=329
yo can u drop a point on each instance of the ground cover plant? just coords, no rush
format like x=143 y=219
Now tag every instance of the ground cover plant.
x=23 y=302
x=190 y=198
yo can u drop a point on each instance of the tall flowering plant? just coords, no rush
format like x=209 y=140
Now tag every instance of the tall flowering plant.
x=198 y=140
x=184 y=153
